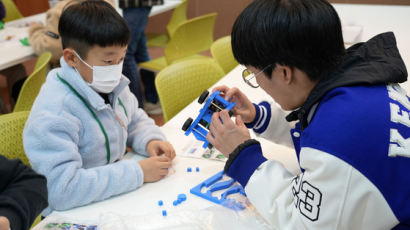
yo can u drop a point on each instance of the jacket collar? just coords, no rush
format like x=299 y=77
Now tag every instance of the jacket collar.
x=376 y=61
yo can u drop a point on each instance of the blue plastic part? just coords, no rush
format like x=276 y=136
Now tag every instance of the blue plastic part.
x=175 y=203
x=221 y=185
x=214 y=184
x=182 y=197
x=160 y=203
x=164 y=212
x=189 y=169
x=201 y=129
x=197 y=169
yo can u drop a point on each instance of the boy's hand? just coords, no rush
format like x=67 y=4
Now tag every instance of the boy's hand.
x=4 y=223
x=157 y=148
x=155 y=168
x=243 y=107
x=224 y=134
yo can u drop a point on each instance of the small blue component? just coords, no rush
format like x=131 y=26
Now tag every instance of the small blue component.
x=175 y=203
x=200 y=127
x=160 y=203
x=189 y=169
x=214 y=184
x=181 y=197
x=164 y=212
x=197 y=169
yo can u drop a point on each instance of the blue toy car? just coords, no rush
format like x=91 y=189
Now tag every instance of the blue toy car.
x=200 y=127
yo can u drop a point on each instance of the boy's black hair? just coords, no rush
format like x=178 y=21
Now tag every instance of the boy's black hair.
x=89 y=23
x=305 y=34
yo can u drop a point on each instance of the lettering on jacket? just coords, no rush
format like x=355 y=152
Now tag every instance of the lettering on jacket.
x=399 y=146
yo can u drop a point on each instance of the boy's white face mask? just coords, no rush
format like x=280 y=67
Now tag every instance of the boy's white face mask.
x=105 y=78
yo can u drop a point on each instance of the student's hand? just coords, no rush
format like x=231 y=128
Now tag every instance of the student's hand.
x=155 y=168
x=243 y=107
x=226 y=135
x=4 y=223
x=157 y=148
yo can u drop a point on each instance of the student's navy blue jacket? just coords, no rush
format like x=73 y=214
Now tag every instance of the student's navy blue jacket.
x=23 y=193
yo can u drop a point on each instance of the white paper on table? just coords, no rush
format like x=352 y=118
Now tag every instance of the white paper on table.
x=194 y=149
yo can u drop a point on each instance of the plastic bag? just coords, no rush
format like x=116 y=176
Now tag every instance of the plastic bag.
x=213 y=218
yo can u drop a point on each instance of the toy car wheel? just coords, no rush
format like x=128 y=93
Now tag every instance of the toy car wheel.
x=203 y=97
x=187 y=123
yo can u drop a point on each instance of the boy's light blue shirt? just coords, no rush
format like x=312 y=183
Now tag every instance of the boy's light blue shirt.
x=64 y=142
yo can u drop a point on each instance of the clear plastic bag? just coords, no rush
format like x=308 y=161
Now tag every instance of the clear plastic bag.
x=213 y=218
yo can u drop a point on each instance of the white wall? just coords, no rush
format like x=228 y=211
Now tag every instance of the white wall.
x=377 y=19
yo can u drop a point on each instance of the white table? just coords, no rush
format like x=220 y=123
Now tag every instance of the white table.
x=12 y=52
x=143 y=201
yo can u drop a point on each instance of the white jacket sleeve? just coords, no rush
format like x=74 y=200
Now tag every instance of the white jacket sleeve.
x=270 y=124
x=330 y=194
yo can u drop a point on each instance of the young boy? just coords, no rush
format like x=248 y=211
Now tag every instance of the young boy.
x=85 y=116
x=352 y=137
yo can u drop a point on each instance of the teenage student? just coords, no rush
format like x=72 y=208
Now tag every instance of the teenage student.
x=85 y=116
x=352 y=131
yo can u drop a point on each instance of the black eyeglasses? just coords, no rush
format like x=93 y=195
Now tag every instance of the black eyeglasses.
x=250 y=78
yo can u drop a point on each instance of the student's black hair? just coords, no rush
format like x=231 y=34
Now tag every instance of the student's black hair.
x=89 y=23
x=305 y=34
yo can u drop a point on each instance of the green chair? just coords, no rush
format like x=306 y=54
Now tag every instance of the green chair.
x=11 y=139
x=180 y=83
x=11 y=135
x=221 y=51
x=190 y=38
x=32 y=84
x=12 y=12
x=178 y=16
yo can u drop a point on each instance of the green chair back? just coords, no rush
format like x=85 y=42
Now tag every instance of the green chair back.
x=11 y=135
x=178 y=16
x=191 y=37
x=221 y=51
x=12 y=12
x=32 y=84
x=180 y=83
